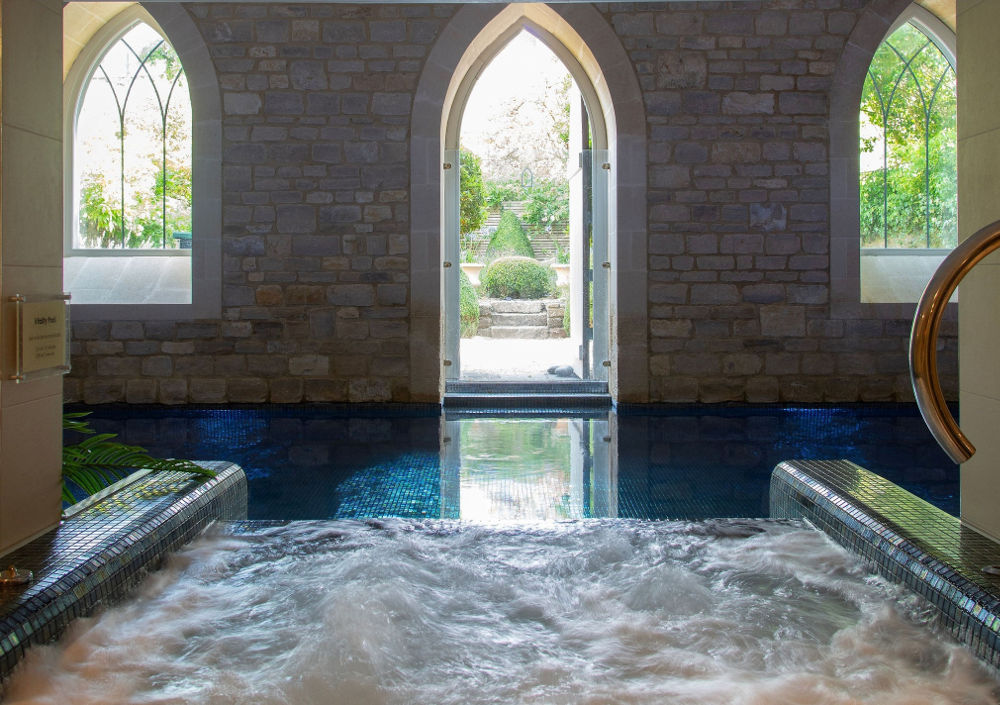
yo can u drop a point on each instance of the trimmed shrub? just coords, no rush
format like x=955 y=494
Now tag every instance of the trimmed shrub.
x=509 y=239
x=468 y=306
x=517 y=278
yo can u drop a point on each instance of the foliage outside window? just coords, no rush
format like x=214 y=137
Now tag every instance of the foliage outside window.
x=908 y=146
x=473 y=194
x=132 y=147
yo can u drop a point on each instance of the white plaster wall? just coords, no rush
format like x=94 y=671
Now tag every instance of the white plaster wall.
x=979 y=324
x=30 y=257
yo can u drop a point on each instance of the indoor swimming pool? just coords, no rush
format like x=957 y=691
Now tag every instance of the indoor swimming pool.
x=678 y=462
x=398 y=555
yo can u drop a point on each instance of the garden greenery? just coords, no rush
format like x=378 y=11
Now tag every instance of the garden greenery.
x=908 y=134
x=548 y=205
x=472 y=209
x=468 y=306
x=134 y=170
x=517 y=278
x=97 y=461
x=509 y=239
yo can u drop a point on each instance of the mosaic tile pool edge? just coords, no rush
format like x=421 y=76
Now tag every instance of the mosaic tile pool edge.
x=75 y=573
x=939 y=560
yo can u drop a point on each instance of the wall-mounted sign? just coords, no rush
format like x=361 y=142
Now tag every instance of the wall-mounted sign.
x=42 y=337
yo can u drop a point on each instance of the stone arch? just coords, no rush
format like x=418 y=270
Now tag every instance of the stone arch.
x=174 y=22
x=874 y=24
x=589 y=48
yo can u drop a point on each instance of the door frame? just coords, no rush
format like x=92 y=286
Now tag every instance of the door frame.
x=584 y=35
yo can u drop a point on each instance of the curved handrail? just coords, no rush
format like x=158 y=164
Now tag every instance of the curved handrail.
x=923 y=340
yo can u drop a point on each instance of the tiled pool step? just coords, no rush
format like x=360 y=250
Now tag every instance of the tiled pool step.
x=98 y=555
x=906 y=539
x=564 y=394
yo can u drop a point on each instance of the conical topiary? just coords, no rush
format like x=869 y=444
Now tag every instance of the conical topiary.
x=509 y=239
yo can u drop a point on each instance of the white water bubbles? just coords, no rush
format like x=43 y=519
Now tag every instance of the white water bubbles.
x=401 y=612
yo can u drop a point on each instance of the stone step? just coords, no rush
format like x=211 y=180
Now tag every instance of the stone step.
x=517 y=305
x=531 y=402
x=521 y=319
x=556 y=386
x=520 y=332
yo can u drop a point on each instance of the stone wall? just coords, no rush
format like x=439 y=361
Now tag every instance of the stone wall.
x=316 y=298
x=316 y=105
x=737 y=105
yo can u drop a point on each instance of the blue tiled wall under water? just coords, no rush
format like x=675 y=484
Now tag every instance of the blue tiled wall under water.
x=687 y=462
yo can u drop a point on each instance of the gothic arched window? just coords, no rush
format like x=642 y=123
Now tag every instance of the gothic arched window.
x=132 y=148
x=908 y=173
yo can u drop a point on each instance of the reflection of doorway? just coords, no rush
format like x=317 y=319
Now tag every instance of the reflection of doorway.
x=541 y=468
x=499 y=351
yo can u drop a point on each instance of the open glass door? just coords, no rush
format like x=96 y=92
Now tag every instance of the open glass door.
x=600 y=263
x=450 y=263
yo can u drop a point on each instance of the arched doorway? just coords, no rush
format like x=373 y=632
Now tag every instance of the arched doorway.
x=586 y=44
x=587 y=353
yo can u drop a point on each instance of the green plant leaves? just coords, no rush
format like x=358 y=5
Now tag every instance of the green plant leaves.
x=517 y=278
x=97 y=461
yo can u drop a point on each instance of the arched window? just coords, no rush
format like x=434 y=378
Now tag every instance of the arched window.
x=142 y=164
x=908 y=139
x=908 y=210
x=132 y=148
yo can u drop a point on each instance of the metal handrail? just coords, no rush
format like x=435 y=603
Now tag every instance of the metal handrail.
x=923 y=340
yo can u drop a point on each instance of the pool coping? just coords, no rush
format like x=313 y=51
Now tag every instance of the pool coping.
x=98 y=555
x=904 y=538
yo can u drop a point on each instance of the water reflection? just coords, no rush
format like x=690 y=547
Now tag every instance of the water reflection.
x=696 y=462
x=527 y=469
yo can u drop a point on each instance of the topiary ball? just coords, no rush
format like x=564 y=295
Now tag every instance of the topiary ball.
x=517 y=278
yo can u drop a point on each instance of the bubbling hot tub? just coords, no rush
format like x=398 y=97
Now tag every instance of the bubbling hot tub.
x=595 y=611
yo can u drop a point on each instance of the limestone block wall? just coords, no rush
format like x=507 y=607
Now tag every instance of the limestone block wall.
x=737 y=99
x=317 y=102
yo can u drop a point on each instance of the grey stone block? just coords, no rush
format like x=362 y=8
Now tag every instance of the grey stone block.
x=768 y=216
x=241 y=103
x=272 y=31
x=681 y=69
x=351 y=294
x=748 y=103
x=308 y=75
x=387 y=31
x=317 y=245
x=283 y=103
x=663 y=102
x=391 y=104
x=296 y=219
x=782 y=321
